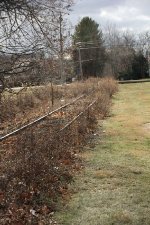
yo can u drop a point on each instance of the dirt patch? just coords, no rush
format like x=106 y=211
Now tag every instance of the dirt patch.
x=147 y=127
x=104 y=174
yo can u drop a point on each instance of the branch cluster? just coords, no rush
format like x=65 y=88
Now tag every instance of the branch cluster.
x=29 y=27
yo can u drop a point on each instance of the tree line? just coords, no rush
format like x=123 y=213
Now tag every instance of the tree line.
x=37 y=45
x=123 y=55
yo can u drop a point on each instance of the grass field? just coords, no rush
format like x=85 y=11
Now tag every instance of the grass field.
x=114 y=187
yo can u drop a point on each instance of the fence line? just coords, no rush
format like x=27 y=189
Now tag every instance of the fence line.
x=38 y=120
x=75 y=118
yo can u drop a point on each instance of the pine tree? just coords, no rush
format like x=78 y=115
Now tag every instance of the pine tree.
x=139 y=66
x=89 y=39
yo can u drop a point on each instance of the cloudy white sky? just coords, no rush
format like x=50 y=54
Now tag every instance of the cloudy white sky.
x=133 y=15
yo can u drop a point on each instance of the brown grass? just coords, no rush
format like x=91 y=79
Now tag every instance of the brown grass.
x=103 y=174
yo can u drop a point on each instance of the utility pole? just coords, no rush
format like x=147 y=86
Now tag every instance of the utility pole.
x=1 y=90
x=80 y=63
x=79 y=48
x=79 y=44
x=61 y=49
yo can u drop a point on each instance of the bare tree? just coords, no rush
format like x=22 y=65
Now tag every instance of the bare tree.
x=120 y=50
x=29 y=27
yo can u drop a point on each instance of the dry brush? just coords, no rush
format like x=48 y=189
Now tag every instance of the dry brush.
x=38 y=164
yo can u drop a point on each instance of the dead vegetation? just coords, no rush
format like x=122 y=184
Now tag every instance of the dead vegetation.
x=38 y=164
x=19 y=107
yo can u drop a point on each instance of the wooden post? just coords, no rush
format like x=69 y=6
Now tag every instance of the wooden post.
x=1 y=90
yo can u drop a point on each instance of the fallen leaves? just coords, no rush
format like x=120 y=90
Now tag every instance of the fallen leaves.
x=40 y=163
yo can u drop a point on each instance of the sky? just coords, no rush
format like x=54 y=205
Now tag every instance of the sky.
x=133 y=15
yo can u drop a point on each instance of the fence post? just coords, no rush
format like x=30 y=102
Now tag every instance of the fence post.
x=1 y=90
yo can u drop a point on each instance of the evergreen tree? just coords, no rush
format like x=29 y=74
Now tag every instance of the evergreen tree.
x=139 y=66
x=89 y=39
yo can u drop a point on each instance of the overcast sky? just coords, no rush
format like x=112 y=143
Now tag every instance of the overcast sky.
x=133 y=15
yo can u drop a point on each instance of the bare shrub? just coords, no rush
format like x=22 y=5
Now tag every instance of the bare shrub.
x=34 y=97
x=42 y=160
x=108 y=85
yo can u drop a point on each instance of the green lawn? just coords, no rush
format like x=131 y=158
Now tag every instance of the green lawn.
x=114 y=187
